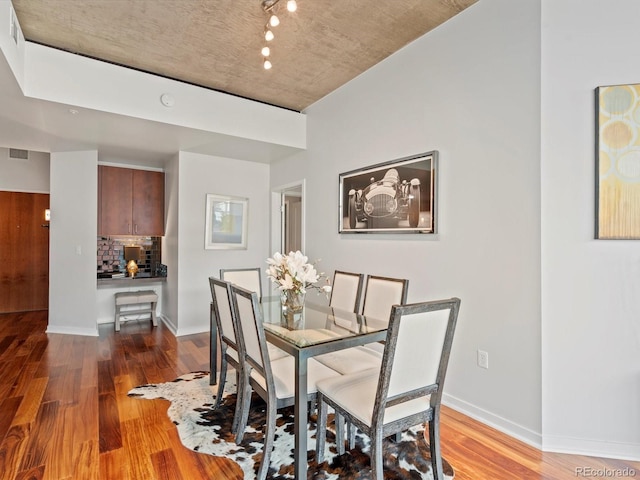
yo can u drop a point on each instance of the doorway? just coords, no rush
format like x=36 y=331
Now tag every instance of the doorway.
x=24 y=252
x=287 y=218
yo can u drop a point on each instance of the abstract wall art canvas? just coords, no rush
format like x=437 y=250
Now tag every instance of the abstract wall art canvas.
x=618 y=162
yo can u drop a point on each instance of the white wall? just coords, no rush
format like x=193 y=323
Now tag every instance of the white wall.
x=12 y=51
x=170 y=242
x=471 y=90
x=30 y=175
x=197 y=176
x=591 y=288
x=63 y=77
x=72 y=243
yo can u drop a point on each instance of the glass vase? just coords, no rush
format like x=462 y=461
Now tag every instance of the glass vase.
x=292 y=307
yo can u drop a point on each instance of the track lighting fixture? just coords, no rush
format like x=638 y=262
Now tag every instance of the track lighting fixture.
x=270 y=7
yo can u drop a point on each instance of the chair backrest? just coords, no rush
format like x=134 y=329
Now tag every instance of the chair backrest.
x=346 y=290
x=223 y=311
x=381 y=293
x=251 y=331
x=248 y=278
x=416 y=353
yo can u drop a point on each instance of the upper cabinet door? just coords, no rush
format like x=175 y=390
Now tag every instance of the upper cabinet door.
x=114 y=204
x=131 y=202
x=148 y=203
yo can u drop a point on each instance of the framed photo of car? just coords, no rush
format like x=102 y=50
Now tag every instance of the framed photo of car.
x=391 y=197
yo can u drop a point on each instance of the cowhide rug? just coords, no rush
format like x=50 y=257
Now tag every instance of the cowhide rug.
x=203 y=429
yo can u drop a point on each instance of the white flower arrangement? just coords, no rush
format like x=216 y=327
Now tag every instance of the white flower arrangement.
x=293 y=273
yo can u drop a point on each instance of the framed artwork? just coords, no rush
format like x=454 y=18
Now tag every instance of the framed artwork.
x=398 y=196
x=226 y=222
x=617 y=209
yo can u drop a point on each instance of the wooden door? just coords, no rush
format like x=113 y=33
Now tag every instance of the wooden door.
x=148 y=203
x=292 y=224
x=24 y=252
x=114 y=201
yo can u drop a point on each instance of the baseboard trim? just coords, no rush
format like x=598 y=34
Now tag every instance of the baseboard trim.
x=86 y=332
x=181 y=332
x=591 y=448
x=505 y=426
x=170 y=325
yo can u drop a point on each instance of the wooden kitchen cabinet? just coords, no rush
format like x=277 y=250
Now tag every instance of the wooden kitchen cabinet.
x=130 y=202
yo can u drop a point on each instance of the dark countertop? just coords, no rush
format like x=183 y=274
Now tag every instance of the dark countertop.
x=130 y=282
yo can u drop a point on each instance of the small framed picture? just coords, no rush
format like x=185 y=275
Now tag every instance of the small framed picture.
x=226 y=222
x=391 y=197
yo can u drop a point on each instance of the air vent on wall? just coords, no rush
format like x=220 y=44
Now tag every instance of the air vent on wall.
x=17 y=153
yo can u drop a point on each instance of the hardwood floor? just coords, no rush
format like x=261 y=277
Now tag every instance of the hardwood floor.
x=65 y=414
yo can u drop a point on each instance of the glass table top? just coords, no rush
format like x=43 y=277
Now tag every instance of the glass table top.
x=316 y=323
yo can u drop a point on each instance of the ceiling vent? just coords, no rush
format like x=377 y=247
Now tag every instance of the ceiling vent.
x=17 y=153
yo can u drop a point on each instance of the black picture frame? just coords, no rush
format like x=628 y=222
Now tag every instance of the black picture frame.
x=381 y=198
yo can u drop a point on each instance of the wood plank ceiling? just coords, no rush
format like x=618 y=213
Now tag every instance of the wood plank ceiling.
x=216 y=43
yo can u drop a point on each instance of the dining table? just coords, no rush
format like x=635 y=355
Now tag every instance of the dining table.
x=316 y=330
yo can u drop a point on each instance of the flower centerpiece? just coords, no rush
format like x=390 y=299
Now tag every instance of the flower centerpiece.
x=294 y=276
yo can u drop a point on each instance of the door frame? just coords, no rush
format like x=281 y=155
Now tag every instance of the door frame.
x=277 y=215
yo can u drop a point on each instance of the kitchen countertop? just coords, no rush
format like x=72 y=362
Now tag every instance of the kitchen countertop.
x=129 y=282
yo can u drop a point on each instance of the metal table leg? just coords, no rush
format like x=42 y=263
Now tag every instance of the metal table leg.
x=301 y=415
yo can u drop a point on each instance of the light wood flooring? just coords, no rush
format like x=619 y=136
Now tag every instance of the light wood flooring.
x=65 y=414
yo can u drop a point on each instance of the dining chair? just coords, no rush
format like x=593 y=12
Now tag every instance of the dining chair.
x=346 y=290
x=249 y=278
x=406 y=391
x=383 y=292
x=224 y=316
x=272 y=380
x=380 y=294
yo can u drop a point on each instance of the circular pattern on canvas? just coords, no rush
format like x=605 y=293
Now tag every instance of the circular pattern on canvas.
x=628 y=165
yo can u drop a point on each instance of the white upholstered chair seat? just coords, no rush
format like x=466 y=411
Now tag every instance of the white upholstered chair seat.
x=275 y=353
x=284 y=374
x=375 y=348
x=356 y=393
x=351 y=360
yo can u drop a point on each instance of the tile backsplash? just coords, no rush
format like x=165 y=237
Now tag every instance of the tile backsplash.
x=110 y=253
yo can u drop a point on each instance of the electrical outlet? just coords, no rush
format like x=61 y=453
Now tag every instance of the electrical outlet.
x=483 y=359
